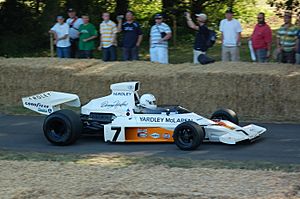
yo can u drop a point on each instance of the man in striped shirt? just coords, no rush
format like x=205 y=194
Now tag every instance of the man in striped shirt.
x=286 y=40
x=159 y=35
x=108 y=38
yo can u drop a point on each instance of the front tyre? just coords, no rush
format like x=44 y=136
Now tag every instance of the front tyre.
x=62 y=127
x=225 y=114
x=188 y=135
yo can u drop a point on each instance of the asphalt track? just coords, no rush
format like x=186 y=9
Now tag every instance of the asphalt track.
x=280 y=144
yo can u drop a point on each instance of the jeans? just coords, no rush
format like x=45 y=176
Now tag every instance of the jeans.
x=109 y=54
x=74 y=48
x=261 y=55
x=288 y=57
x=86 y=54
x=297 y=58
x=63 y=52
x=130 y=54
x=230 y=53
x=159 y=54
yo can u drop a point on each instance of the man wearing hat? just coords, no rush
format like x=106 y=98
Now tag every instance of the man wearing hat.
x=286 y=40
x=159 y=35
x=202 y=36
x=74 y=23
x=230 y=29
x=61 y=36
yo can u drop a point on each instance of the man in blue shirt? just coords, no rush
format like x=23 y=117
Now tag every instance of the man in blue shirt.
x=132 y=36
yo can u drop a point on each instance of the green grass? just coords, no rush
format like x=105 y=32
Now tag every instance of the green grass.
x=15 y=110
x=117 y=161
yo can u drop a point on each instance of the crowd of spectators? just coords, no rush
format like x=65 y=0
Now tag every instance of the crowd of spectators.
x=77 y=38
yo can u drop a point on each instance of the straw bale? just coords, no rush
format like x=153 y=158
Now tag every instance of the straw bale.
x=265 y=92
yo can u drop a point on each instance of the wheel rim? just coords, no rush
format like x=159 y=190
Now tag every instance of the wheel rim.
x=186 y=137
x=58 y=131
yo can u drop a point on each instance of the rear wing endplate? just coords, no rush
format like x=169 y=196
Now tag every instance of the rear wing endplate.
x=49 y=102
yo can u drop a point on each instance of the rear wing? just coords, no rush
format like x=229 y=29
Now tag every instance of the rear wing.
x=49 y=102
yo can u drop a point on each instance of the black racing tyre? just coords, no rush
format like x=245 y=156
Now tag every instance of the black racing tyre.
x=62 y=127
x=226 y=114
x=188 y=135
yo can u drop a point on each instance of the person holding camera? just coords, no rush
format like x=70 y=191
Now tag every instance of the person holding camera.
x=132 y=36
x=200 y=45
x=74 y=23
x=159 y=35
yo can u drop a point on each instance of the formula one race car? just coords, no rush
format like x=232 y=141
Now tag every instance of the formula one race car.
x=123 y=116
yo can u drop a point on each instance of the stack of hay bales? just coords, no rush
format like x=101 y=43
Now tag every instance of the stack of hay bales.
x=266 y=92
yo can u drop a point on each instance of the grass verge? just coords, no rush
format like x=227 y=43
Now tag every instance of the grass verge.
x=119 y=161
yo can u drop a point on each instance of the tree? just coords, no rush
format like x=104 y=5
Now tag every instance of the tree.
x=121 y=7
x=19 y=28
x=283 y=5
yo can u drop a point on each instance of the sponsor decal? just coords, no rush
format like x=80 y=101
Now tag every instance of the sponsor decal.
x=122 y=94
x=38 y=105
x=151 y=119
x=142 y=130
x=130 y=87
x=142 y=135
x=155 y=135
x=40 y=96
x=116 y=104
x=49 y=110
x=128 y=112
x=161 y=119
x=167 y=136
x=42 y=110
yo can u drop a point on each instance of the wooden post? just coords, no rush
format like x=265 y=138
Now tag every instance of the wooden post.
x=174 y=30
x=51 y=45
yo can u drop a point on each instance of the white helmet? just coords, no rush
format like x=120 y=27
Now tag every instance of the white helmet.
x=148 y=101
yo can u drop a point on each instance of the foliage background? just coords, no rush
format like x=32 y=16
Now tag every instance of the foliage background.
x=24 y=24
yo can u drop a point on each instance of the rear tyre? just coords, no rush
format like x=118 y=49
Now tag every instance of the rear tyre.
x=225 y=114
x=188 y=135
x=62 y=127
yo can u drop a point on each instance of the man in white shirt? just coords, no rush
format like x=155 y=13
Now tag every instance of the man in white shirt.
x=61 y=37
x=74 y=23
x=159 y=35
x=231 y=37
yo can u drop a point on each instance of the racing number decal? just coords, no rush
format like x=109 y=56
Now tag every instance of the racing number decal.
x=118 y=131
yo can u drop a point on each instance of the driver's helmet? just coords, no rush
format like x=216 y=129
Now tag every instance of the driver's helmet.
x=148 y=101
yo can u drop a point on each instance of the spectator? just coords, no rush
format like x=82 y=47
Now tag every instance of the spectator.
x=87 y=34
x=159 y=35
x=298 y=40
x=231 y=37
x=132 y=36
x=108 y=38
x=262 y=39
x=74 y=23
x=287 y=39
x=61 y=37
x=200 y=45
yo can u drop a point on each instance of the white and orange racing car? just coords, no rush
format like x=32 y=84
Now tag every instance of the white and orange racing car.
x=123 y=116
